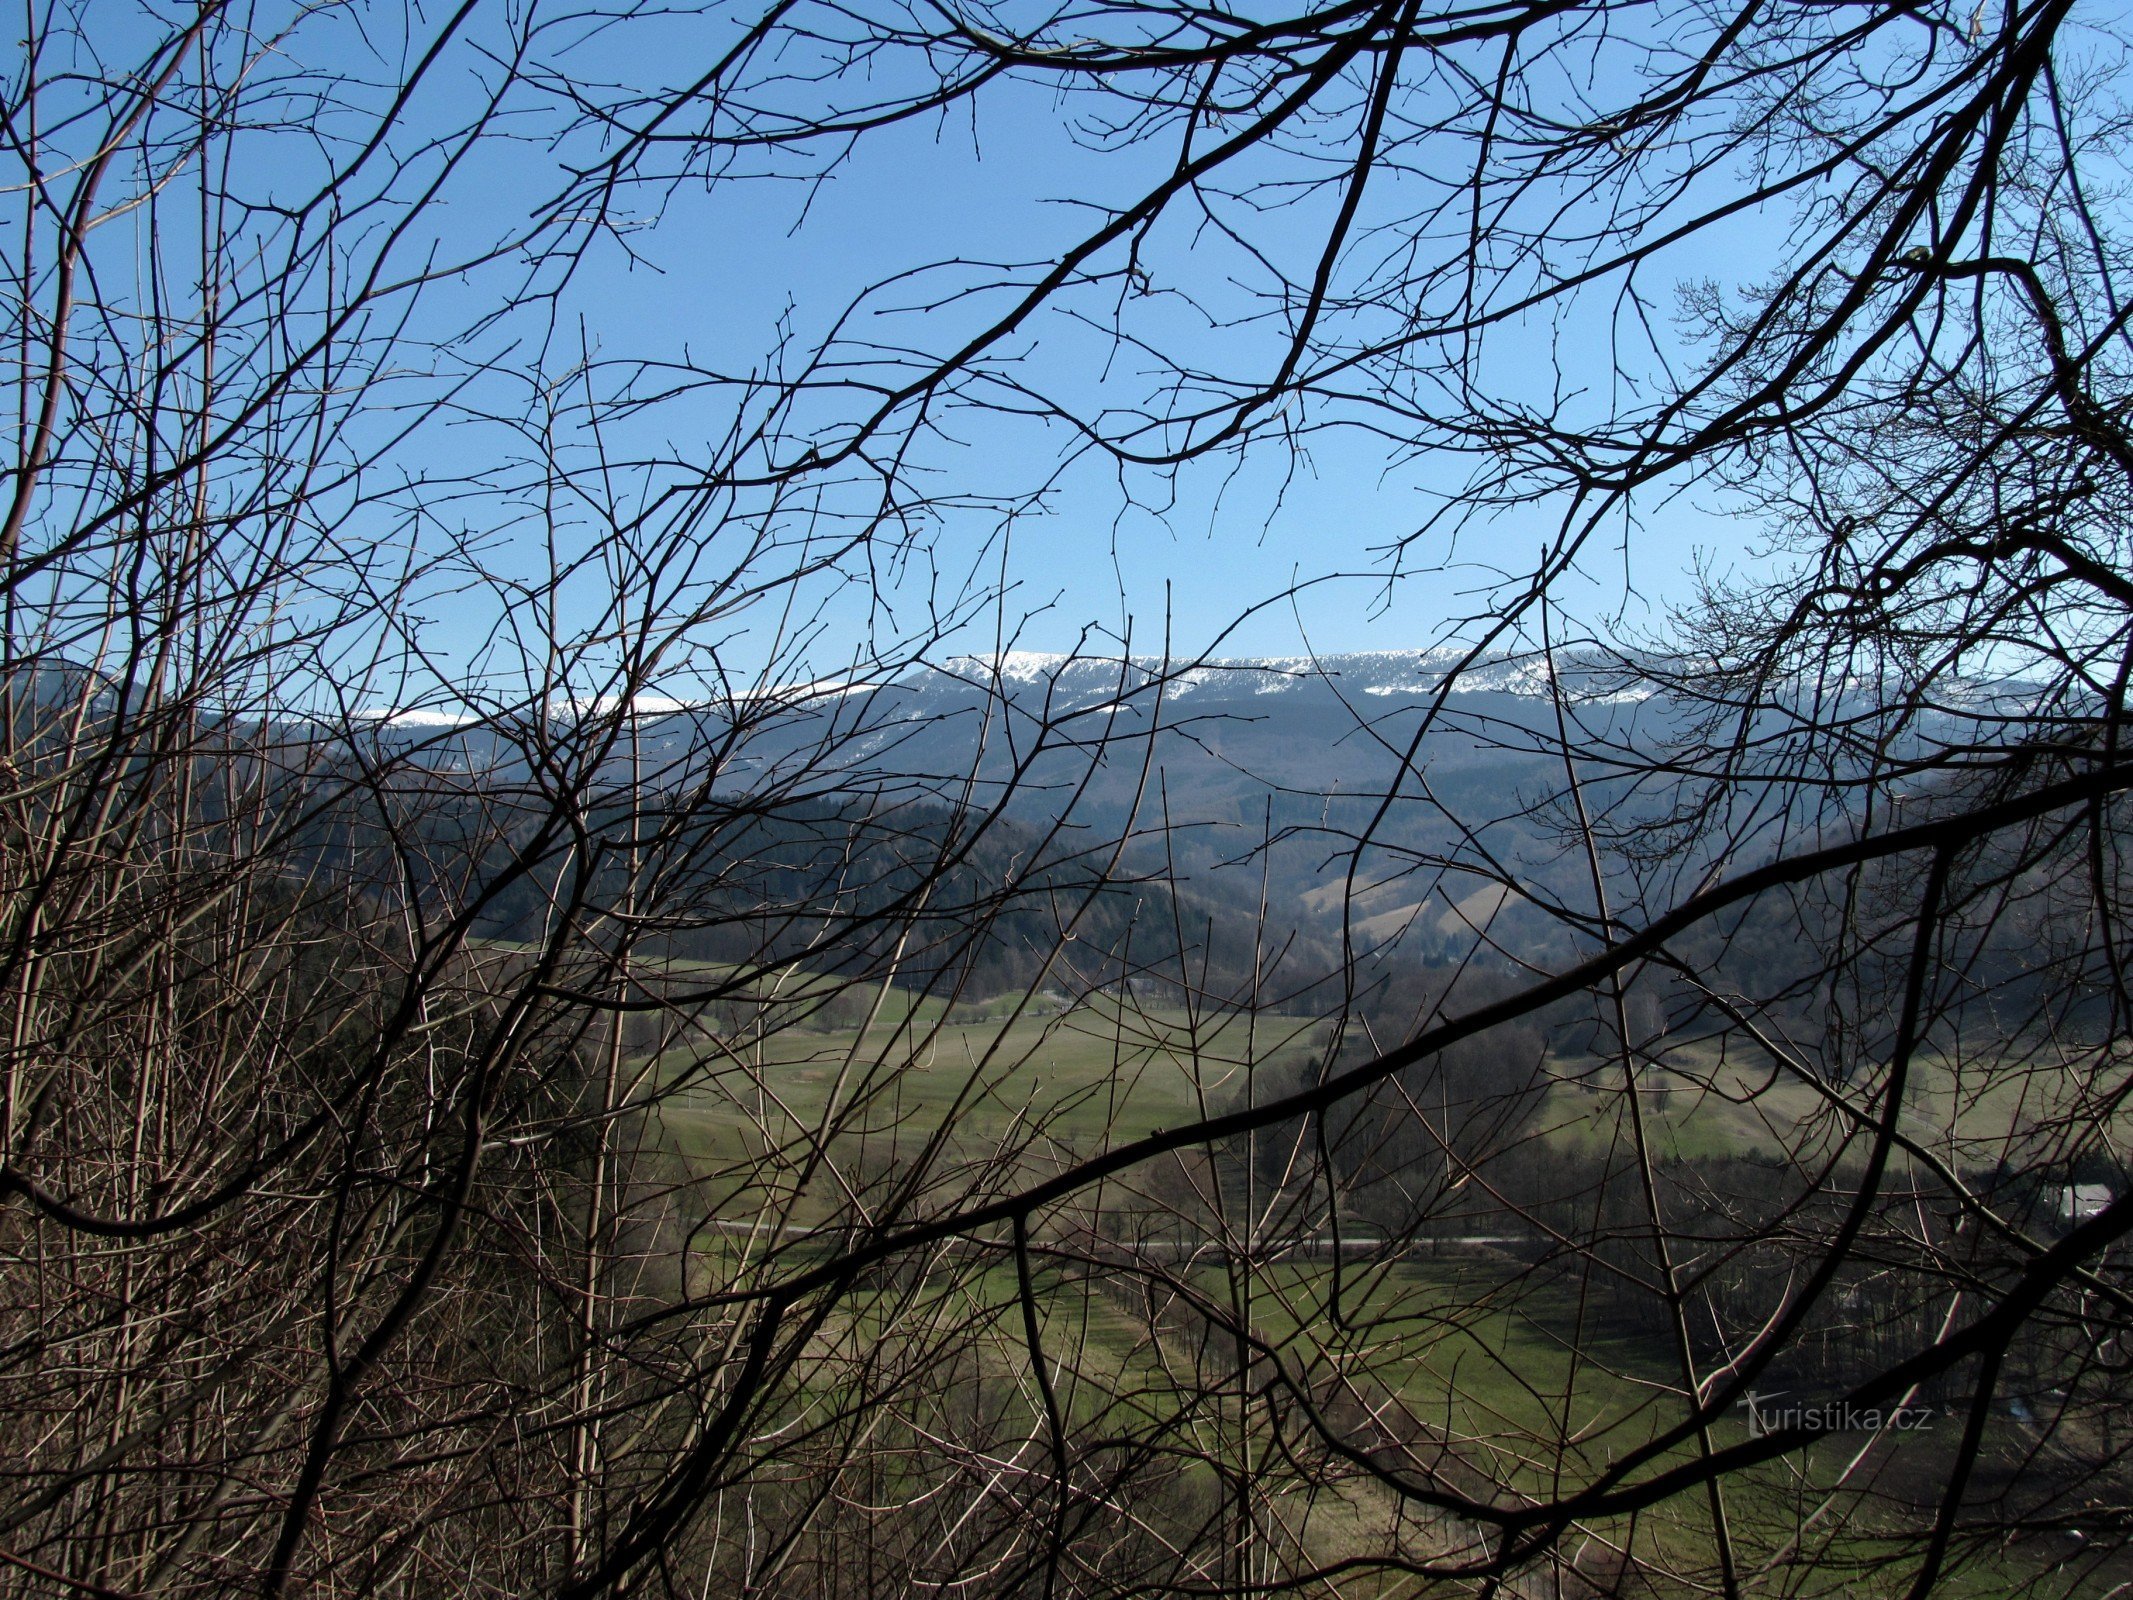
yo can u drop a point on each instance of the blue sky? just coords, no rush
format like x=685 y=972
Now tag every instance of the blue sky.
x=723 y=266
x=716 y=272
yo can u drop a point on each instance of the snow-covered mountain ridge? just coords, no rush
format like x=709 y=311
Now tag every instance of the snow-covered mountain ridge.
x=1064 y=681
x=1379 y=673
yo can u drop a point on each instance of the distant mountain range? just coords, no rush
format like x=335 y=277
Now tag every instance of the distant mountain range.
x=1210 y=762
x=1204 y=764
x=1322 y=724
x=1303 y=785
x=1238 y=777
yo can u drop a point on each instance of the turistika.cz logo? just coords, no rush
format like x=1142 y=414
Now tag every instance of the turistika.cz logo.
x=1833 y=1416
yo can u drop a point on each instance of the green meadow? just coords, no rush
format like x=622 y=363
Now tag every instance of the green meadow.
x=1512 y=1372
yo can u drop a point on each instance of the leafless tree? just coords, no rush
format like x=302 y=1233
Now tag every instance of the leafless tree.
x=496 y=1097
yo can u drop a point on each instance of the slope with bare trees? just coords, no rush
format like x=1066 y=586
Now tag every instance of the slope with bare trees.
x=535 y=1065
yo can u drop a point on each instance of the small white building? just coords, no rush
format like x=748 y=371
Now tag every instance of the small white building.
x=2080 y=1201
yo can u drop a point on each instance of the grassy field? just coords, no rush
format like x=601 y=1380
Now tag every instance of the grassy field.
x=1697 y=1106
x=1530 y=1390
x=1054 y=1082
x=1105 y=1069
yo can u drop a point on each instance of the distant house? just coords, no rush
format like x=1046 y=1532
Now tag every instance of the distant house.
x=2080 y=1201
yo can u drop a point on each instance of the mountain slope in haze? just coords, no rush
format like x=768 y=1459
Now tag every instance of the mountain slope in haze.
x=1238 y=776
x=1306 y=781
